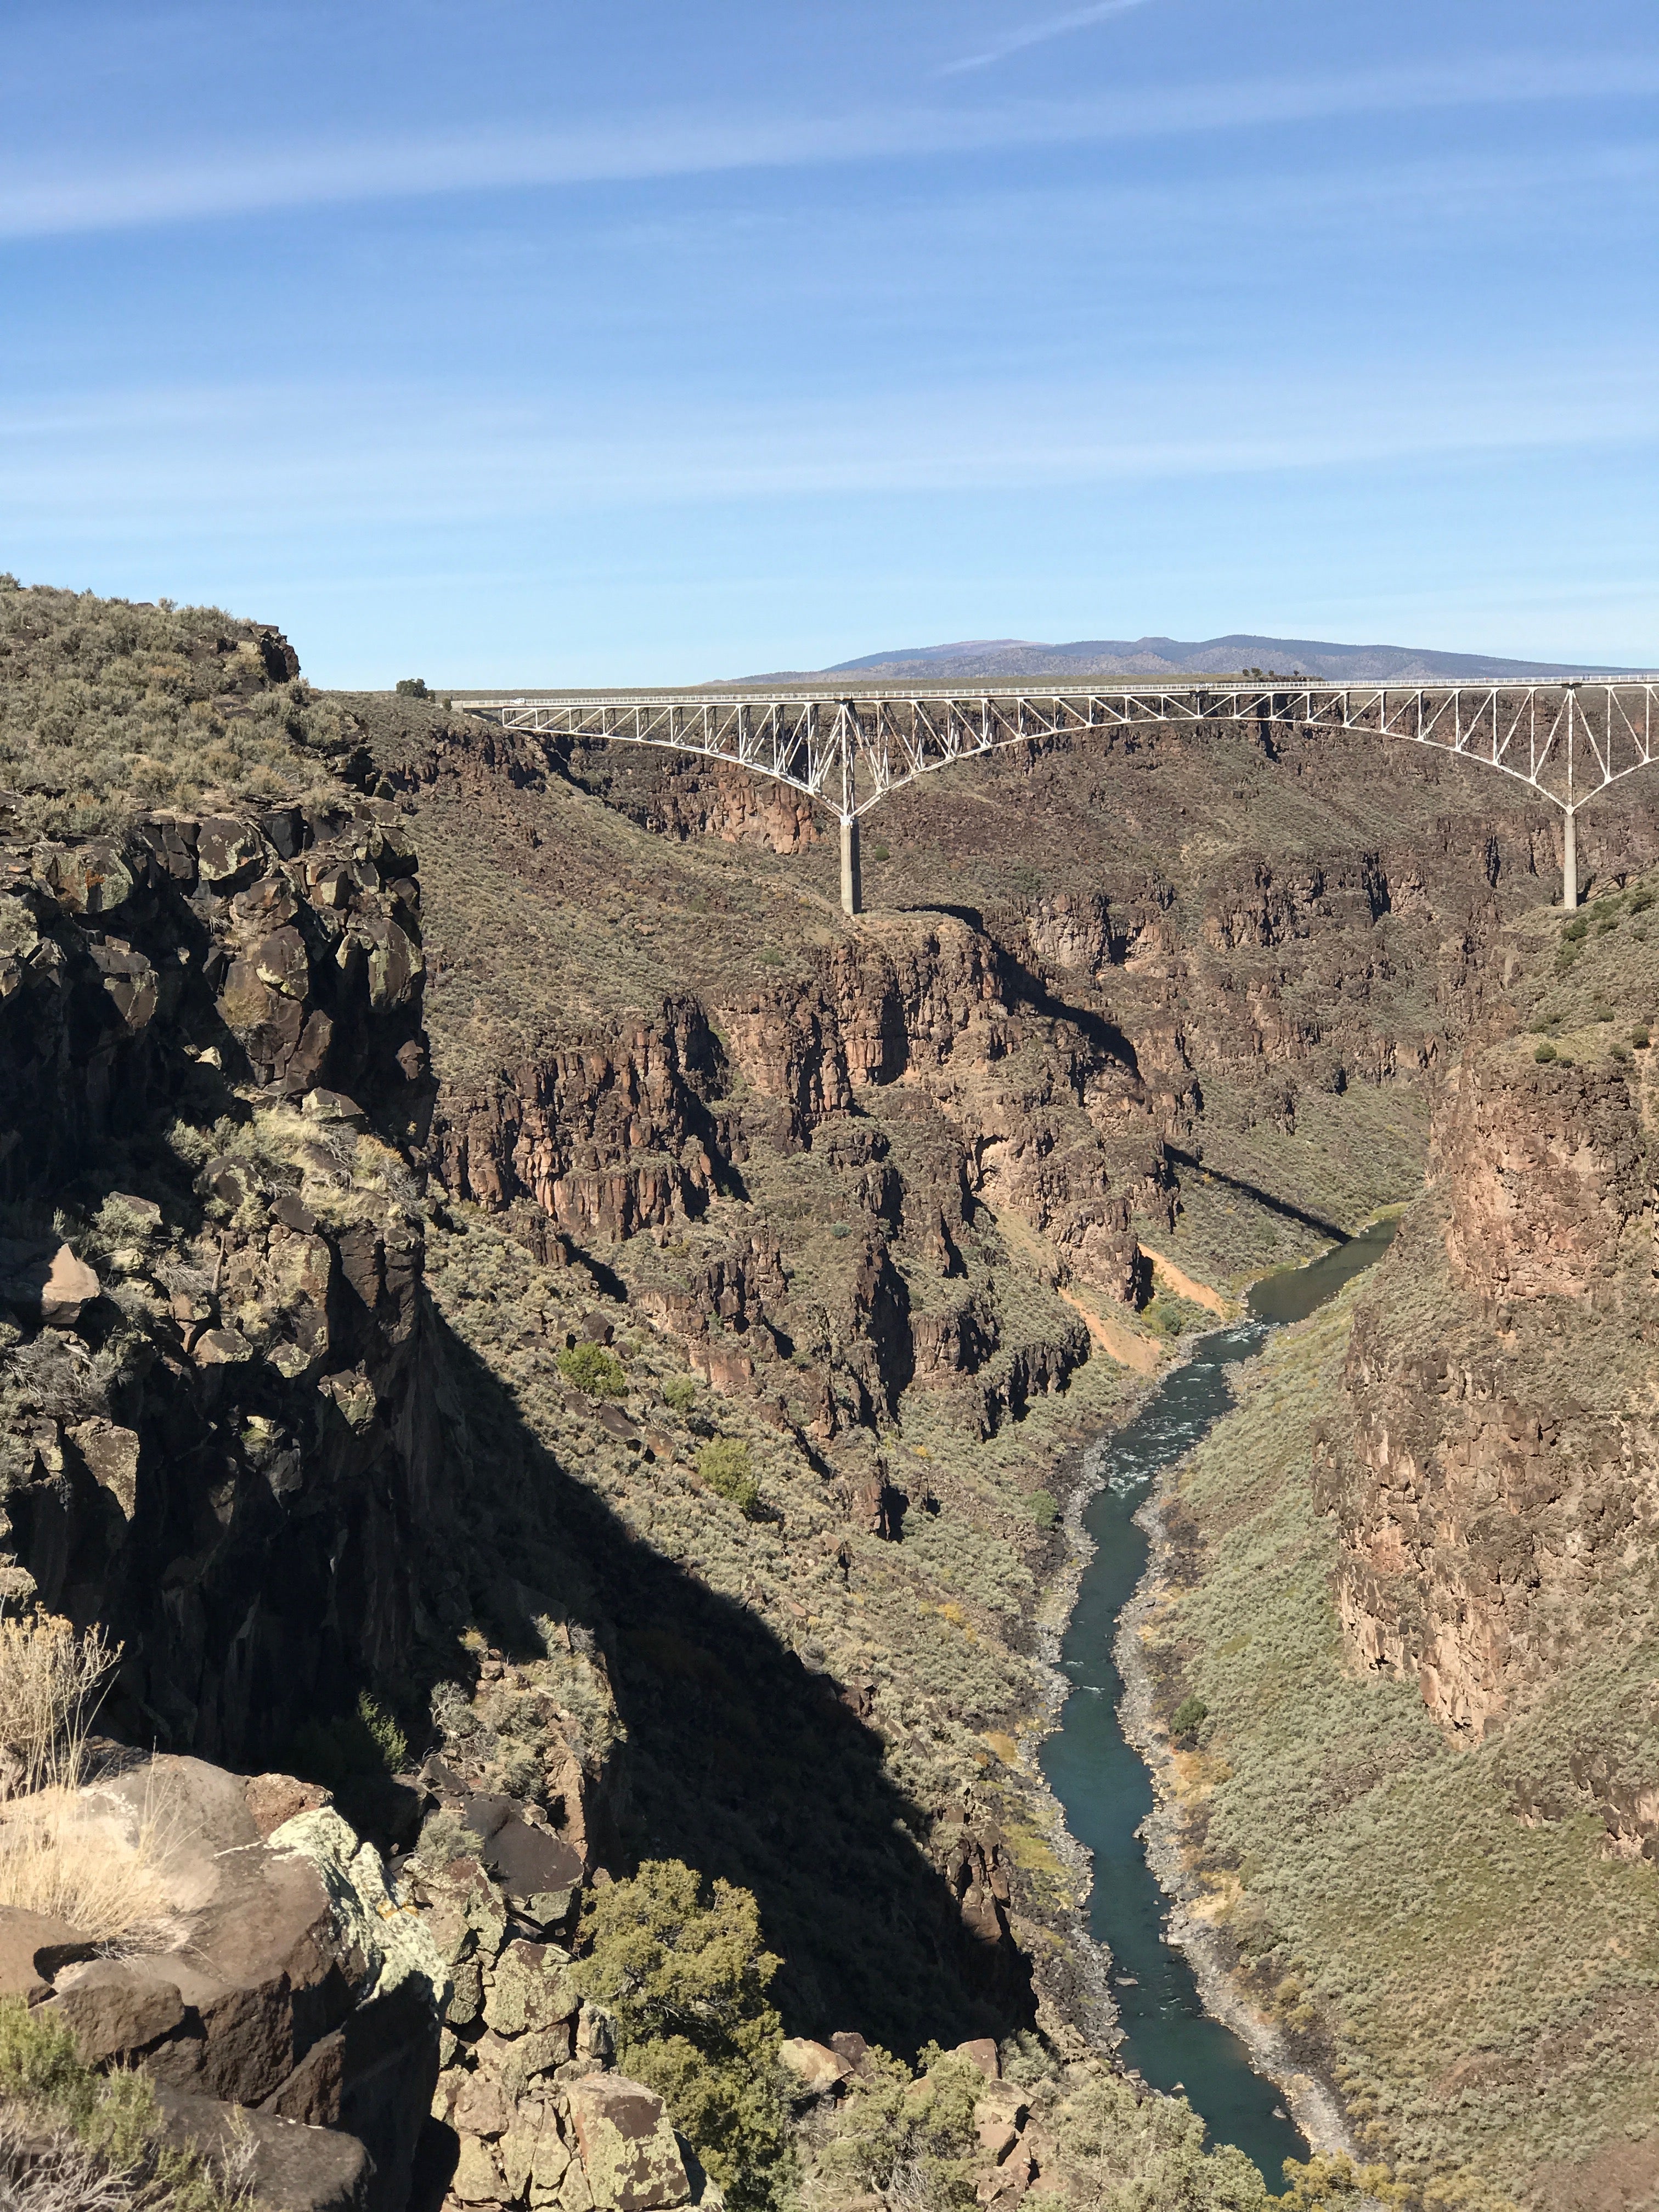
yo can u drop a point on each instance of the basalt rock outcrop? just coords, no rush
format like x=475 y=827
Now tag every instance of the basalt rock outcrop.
x=1544 y=1169
x=1501 y=1480
x=283 y=1975
x=222 y=1427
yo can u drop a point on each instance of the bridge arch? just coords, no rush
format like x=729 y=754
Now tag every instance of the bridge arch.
x=1566 y=743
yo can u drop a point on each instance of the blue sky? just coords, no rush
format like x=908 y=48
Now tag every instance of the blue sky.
x=506 y=343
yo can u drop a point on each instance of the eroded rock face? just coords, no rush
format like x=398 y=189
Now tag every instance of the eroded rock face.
x=247 y=1481
x=1543 y=1169
x=286 y=944
x=607 y=1139
x=1486 y=1505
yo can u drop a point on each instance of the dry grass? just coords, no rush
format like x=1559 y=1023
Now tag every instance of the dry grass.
x=60 y=1854
x=60 y=2175
x=52 y=1681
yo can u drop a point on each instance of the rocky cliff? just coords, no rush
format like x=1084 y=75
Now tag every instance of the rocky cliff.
x=1501 y=1489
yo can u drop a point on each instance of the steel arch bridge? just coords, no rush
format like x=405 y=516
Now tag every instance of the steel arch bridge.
x=1566 y=743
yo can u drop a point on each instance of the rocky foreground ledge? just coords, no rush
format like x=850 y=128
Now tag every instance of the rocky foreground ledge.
x=348 y=2036
x=384 y=2038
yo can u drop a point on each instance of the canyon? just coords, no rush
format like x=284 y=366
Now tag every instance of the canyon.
x=525 y=1323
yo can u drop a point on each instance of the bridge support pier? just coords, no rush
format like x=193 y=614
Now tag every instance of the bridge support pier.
x=852 y=875
x=1568 y=861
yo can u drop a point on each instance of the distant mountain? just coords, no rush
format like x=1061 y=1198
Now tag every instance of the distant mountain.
x=1012 y=660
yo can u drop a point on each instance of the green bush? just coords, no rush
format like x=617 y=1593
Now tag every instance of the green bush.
x=366 y=1742
x=412 y=687
x=113 y=2119
x=1045 y=1509
x=592 y=1368
x=724 y=1466
x=679 y=1393
x=1544 y=1052
x=1577 y=930
x=912 y=2141
x=682 y=1971
x=1188 y=1717
x=880 y=853
x=1641 y=901
x=1639 y=1037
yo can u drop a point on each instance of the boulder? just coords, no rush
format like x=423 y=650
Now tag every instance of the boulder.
x=118 y=2008
x=983 y=2053
x=110 y=1455
x=854 y=2049
x=818 y=2070
x=333 y=1109
x=272 y=1799
x=631 y=2160
x=34 y=1946
x=998 y=2117
x=293 y=2168
x=295 y=1981
x=227 y=853
x=530 y=1862
x=532 y=1990
x=45 y=1281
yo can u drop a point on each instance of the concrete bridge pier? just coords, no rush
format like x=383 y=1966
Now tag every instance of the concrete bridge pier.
x=852 y=875
x=1568 y=861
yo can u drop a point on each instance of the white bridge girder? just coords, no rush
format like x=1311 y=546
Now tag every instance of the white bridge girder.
x=1566 y=743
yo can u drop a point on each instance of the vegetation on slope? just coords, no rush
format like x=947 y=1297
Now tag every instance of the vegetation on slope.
x=1478 y=1982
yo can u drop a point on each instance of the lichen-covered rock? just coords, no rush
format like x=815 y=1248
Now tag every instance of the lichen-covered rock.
x=629 y=2154
x=530 y=1988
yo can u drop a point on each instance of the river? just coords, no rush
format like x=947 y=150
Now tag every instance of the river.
x=1100 y=1781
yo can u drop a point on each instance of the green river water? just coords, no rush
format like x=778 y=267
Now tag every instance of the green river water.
x=1100 y=1781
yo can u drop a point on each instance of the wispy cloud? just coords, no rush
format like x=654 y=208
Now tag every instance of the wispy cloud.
x=1038 y=35
x=37 y=202
x=411 y=453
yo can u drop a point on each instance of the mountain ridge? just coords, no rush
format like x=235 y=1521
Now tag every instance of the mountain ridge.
x=1235 y=654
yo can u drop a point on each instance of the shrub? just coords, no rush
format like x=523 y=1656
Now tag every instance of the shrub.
x=880 y=853
x=1641 y=901
x=105 y=2149
x=1640 y=1038
x=50 y=1683
x=1544 y=1052
x=366 y=1742
x=679 y=1393
x=912 y=2141
x=1327 y=2182
x=682 y=1971
x=1045 y=1509
x=592 y=1368
x=1577 y=930
x=412 y=687
x=724 y=1466
x=1188 y=1717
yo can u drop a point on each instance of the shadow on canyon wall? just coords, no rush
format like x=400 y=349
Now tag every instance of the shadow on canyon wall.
x=743 y=1763
x=1282 y=1206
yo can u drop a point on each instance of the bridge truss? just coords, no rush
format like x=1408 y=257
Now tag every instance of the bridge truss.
x=1565 y=743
